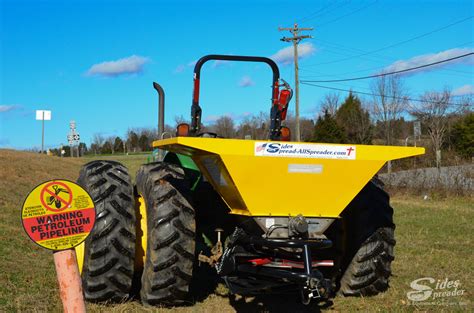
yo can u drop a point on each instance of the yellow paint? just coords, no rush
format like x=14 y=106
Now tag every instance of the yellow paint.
x=263 y=185
x=141 y=233
x=80 y=255
x=141 y=237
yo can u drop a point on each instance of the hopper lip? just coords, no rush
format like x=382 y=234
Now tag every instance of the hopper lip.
x=222 y=146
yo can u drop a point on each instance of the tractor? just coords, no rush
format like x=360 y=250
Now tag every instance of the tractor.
x=264 y=216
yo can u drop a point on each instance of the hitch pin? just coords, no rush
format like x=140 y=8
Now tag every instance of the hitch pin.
x=219 y=231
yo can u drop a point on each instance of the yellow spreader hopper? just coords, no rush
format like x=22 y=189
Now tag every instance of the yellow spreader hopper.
x=305 y=218
x=271 y=178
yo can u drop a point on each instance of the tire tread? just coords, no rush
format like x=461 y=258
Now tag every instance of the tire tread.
x=171 y=227
x=109 y=254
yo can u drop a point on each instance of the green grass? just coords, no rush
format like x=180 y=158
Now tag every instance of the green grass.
x=434 y=238
x=131 y=161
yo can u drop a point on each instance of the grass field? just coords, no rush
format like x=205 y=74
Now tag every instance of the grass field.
x=434 y=239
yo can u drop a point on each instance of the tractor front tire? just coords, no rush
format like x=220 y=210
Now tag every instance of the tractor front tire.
x=108 y=263
x=370 y=242
x=171 y=227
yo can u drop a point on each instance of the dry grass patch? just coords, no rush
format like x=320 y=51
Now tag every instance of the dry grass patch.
x=434 y=238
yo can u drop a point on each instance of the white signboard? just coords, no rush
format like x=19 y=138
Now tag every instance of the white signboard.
x=73 y=137
x=417 y=128
x=43 y=115
x=296 y=150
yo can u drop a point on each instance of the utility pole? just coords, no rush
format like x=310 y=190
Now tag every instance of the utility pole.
x=42 y=133
x=296 y=40
x=43 y=115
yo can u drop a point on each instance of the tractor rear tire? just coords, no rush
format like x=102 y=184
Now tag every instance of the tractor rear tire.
x=171 y=228
x=370 y=242
x=109 y=251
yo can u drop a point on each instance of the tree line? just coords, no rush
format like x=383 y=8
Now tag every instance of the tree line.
x=387 y=117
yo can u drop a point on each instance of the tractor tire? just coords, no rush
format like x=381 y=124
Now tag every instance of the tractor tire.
x=370 y=242
x=368 y=273
x=109 y=251
x=171 y=228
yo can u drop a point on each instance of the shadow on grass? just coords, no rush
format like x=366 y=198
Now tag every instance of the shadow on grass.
x=204 y=282
x=275 y=303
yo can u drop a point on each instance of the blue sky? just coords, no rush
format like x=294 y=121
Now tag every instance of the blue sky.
x=94 y=61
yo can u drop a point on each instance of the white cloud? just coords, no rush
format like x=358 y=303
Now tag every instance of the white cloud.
x=180 y=68
x=7 y=108
x=131 y=65
x=219 y=63
x=432 y=58
x=285 y=56
x=213 y=118
x=463 y=90
x=246 y=81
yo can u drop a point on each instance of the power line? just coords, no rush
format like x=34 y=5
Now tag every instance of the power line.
x=320 y=11
x=396 y=44
x=371 y=94
x=348 y=14
x=391 y=73
x=359 y=87
x=348 y=49
x=387 y=58
x=442 y=71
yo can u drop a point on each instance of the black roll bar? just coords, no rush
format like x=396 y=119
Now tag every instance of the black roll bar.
x=196 y=110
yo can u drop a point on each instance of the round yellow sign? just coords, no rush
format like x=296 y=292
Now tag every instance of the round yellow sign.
x=58 y=214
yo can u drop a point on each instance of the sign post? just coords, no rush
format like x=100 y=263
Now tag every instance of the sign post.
x=43 y=115
x=69 y=280
x=59 y=215
x=73 y=138
x=416 y=130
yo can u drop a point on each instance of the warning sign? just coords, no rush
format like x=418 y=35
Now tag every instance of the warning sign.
x=52 y=196
x=58 y=214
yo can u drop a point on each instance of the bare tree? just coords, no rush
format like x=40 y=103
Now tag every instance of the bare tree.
x=224 y=127
x=179 y=119
x=433 y=113
x=255 y=126
x=169 y=131
x=465 y=104
x=330 y=103
x=390 y=101
x=132 y=139
x=263 y=123
x=306 y=127
x=110 y=143
x=98 y=141
x=151 y=134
